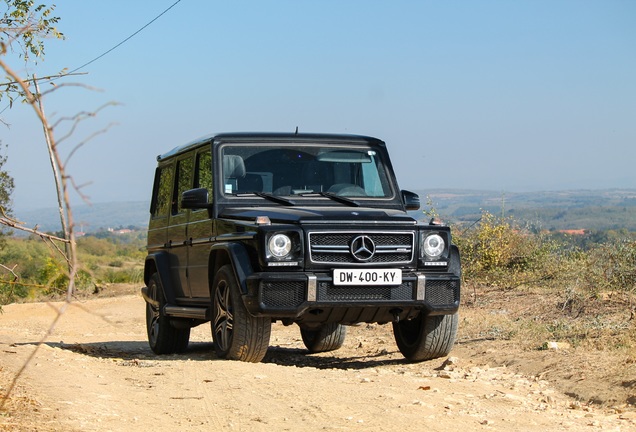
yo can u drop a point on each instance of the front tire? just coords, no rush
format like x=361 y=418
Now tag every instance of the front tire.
x=328 y=337
x=163 y=338
x=426 y=337
x=236 y=334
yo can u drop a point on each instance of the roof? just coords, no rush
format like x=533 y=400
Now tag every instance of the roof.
x=273 y=137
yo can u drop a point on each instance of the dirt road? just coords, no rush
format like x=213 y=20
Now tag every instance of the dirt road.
x=96 y=372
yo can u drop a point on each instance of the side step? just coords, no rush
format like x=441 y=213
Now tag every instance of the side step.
x=192 y=312
x=199 y=313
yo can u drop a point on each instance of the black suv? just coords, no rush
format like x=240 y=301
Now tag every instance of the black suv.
x=247 y=229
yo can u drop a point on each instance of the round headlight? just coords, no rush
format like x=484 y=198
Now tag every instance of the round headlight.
x=280 y=245
x=434 y=245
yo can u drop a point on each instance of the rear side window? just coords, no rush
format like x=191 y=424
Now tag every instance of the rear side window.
x=184 y=182
x=203 y=176
x=162 y=194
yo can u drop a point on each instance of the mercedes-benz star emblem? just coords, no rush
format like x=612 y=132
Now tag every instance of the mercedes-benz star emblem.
x=362 y=248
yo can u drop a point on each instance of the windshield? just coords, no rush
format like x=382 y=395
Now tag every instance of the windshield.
x=307 y=171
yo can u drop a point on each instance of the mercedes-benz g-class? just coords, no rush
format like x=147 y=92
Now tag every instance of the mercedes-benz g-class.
x=247 y=229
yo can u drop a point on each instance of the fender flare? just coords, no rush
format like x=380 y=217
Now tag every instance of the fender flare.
x=238 y=258
x=159 y=263
x=455 y=261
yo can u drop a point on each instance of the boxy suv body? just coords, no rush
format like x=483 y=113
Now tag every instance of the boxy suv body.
x=309 y=229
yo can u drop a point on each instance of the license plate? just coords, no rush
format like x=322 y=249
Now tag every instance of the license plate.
x=367 y=277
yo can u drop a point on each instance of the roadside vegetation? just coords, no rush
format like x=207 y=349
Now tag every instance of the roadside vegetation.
x=39 y=273
x=546 y=289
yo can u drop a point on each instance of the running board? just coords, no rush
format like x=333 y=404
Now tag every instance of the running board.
x=199 y=313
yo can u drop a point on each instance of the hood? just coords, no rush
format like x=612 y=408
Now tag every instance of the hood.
x=295 y=215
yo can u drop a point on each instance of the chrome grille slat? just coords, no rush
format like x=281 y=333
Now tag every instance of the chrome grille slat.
x=333 y=247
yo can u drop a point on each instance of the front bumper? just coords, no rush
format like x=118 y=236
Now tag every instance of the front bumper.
x=293 y=295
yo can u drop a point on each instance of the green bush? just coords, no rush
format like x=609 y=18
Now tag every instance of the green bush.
x=41 y=271
x=131 y=275
x=97 y=247
x=611 y=268
x=498 y=252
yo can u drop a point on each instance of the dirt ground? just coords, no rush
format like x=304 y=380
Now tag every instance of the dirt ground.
x=96 y=372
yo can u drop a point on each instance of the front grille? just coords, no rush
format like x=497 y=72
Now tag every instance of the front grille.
x=282 y=294
x=442 y=292
x=335 y=247
x=330 y=293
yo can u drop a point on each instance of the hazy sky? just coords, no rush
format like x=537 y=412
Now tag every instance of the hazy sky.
x=500 y=95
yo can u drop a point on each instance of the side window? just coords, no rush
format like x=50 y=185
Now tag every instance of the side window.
x=203 y=176
x=183 y=183
x=162 y=192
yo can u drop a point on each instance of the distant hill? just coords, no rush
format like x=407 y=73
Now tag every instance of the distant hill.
x=610 y=209
x=553 y=210
x=93 y=218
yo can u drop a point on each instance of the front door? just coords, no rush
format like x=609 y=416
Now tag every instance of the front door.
x=200 y=230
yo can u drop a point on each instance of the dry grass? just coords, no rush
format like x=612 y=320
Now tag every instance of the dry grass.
x=18 y=408
x=533 y=316
x=588 y=352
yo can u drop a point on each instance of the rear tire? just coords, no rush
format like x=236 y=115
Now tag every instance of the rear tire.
x=236 y=334
x=328 y=337
x=163 y=338
x=426 y=337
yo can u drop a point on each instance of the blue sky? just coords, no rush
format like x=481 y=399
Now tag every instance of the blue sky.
x=498 y=95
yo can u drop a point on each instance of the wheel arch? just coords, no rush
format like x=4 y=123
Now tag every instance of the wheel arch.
x=234 y=254
x=455 y=261
x=159 y=263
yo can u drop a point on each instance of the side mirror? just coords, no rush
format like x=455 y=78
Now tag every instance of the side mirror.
x=195 y=199
x=411 y=200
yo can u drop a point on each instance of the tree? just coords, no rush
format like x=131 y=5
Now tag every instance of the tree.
x=6 y=189
x=23 y=28
x=25 y=25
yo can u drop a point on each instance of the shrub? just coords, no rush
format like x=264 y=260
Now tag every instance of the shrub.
x=498 y=252
x=54 y=278
x=94 y=246
x=611 y=269
x=131 y=275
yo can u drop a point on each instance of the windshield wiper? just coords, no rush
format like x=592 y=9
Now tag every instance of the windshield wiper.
x=334 y=197
x=275 y=198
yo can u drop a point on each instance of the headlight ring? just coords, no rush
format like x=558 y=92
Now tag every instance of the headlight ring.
x=279 y=245
x=433 y=246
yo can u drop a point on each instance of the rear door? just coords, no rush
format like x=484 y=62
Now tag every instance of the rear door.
x=178 y=241
x=160 y=207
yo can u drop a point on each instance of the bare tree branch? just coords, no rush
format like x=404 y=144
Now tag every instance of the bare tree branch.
x=12 y=271
x=58 y=86
x=12 y=223
x=54 y=168
x=63 y=196
x=78 y=189
x=45 y=78
x=89 y=138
